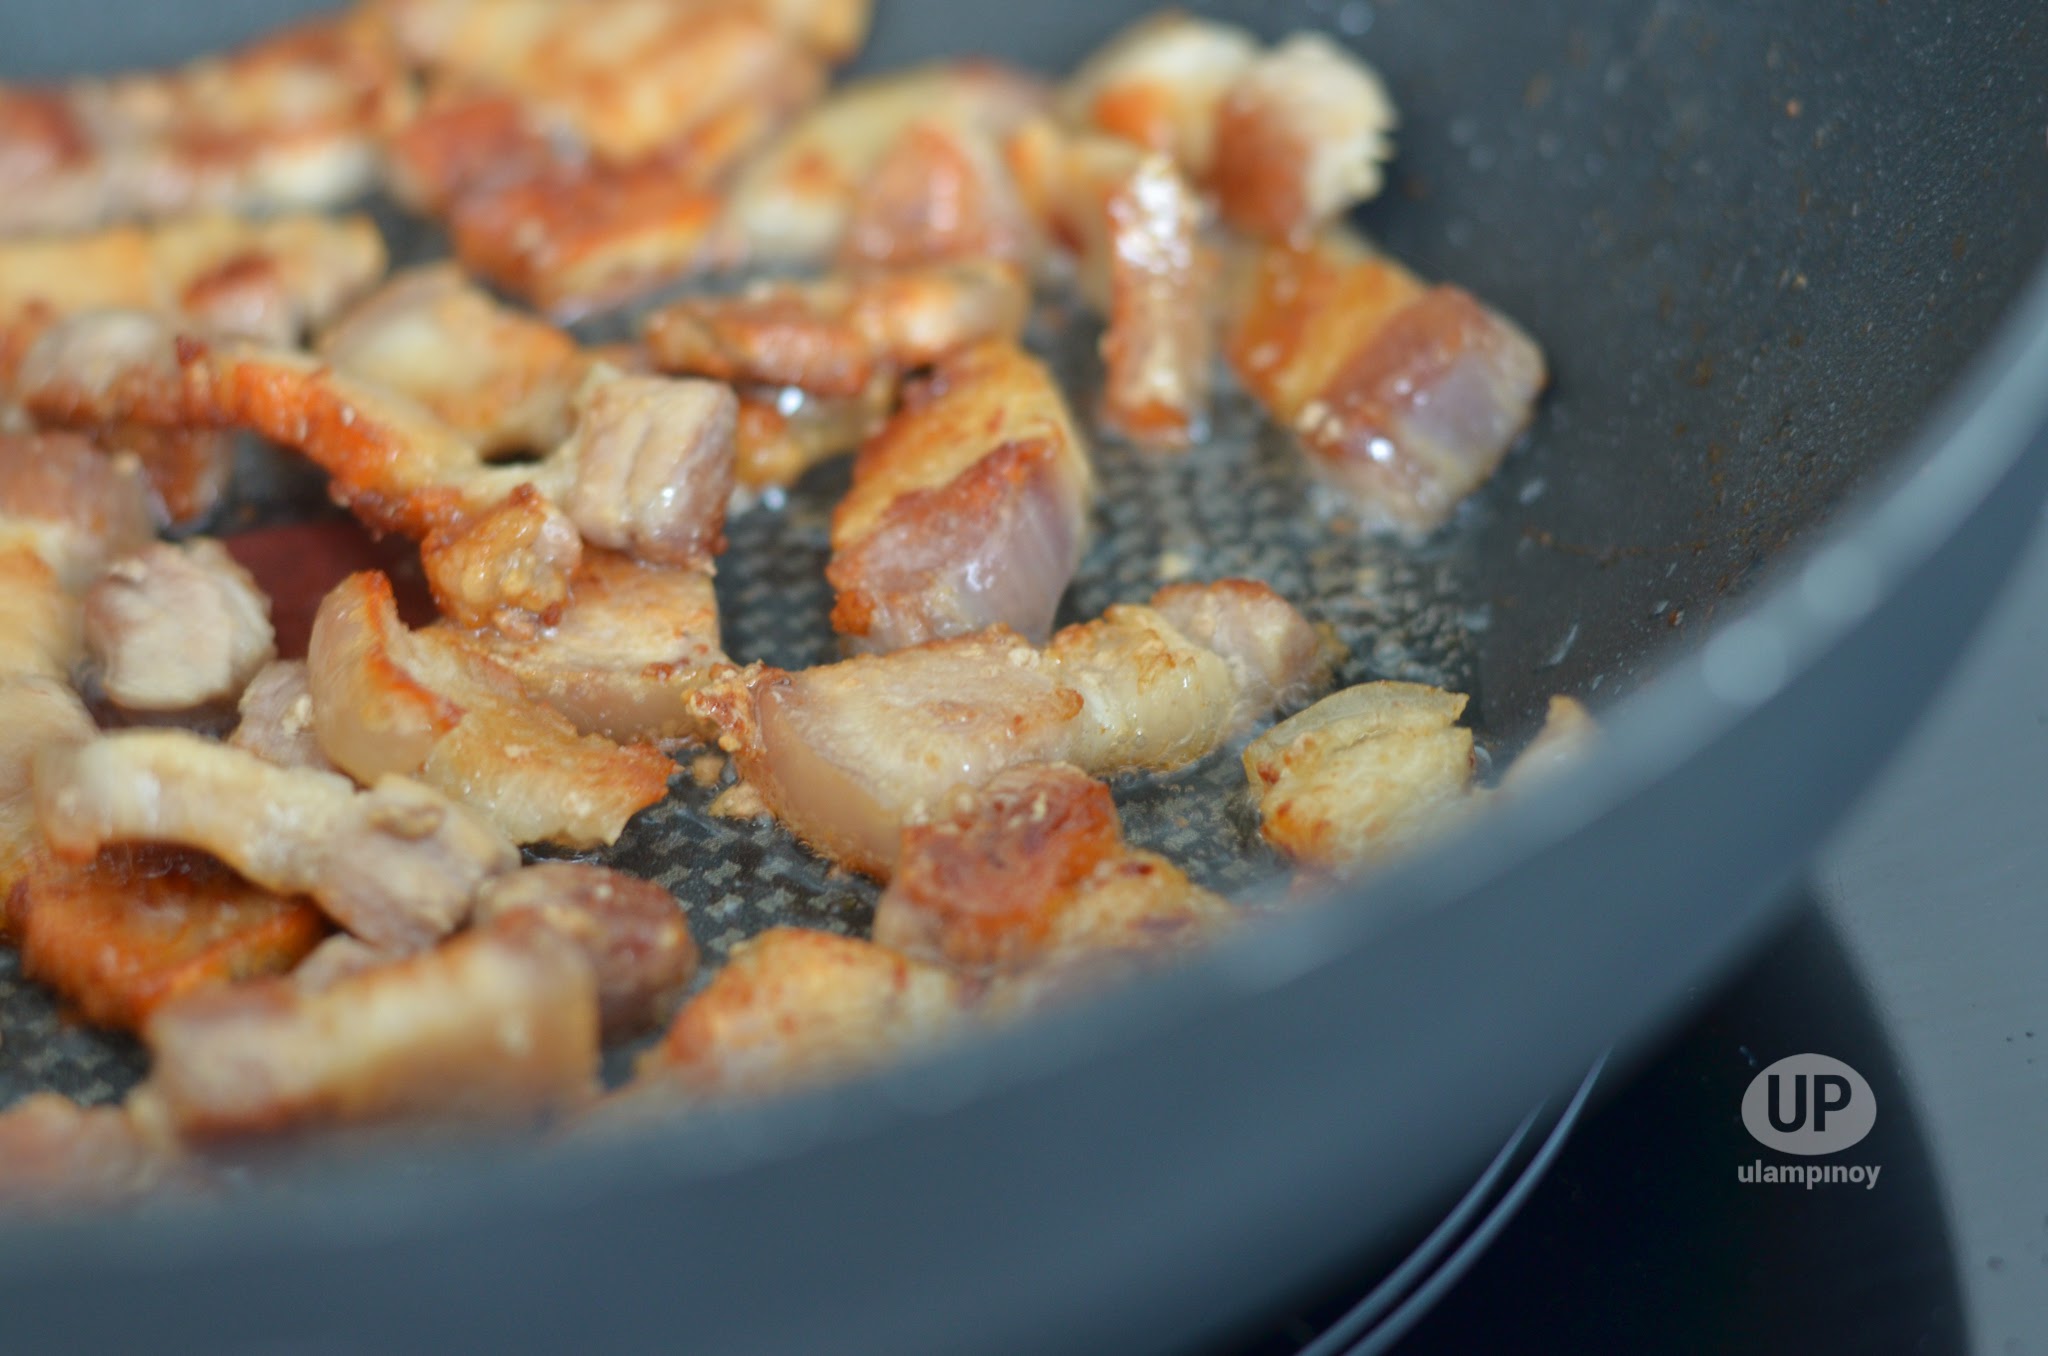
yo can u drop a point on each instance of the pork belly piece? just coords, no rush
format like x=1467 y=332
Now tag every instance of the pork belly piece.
x=1032 y=870
x=177 y=626
x=500 y=378
x=1568 y=734
x=1161 y=337
x=497 y=1026
x=396 y=864
x=36 y=711
x=652 y=460
x=647 y=467
x=1300 y=139
x=1405 y=396
x=631 y=931
x=492 y=33
x=269 y=280
x=289 y=121
x=58 y=1155
x=835 y=337
x=626 y=653
x=794 y=1006
x=941 y=191
x=781 y=433
x=1364 y=775
x=507 y=568
x=389 y=701
x=847 y=754
x=133 y=929
x=73 y=507
x=277 y=718
x=1159 y=83
x=795 y=202
x=187 y=468
x=969 y=509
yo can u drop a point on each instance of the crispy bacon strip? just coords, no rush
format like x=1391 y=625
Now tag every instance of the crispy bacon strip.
x=131 y=930
x=177 y=626
x=1363 y=775
x=794 y=1006
x=796 y=201
x=968 y=510
x=1031 y=870
x=290 y=121
x=626 y=653
x=847 y=754
x=396 y=864
x=631 y=932
x=499 y=1025
x=1405 y=396
x=388 y=701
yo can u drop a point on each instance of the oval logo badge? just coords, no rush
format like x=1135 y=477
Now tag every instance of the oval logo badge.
x=1809 y=1104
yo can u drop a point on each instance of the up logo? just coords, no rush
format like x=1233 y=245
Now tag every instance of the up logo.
x=1809 y=1104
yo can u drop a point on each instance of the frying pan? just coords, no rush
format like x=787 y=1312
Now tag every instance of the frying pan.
x=1785 y=258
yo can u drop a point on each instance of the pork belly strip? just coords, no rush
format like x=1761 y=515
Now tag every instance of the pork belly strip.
x=794 y=1006
x=389 y=701
x=969 y=509
x=495 y=1026
x=625 y=654
x=176 y=626
x=396 y=864
x=276 y=724
x=56 y=1155
x=74 y=508
x=835 y=337
x=1160 y=340
x=795 y=202
x=1031 y=870
x=631 y=932
x=270 y=280
x=847 y=754
x=132 y=929
x=1287 y=138
x=1404 y=395
x=291 y=120
x=1363 y=775
x=500 y=378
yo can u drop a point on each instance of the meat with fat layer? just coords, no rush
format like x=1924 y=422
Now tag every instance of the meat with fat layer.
x=1161 y=338
x=795 y=202
x=496 y=1026
x=1031 y=870
x=794 y=1006
x=292 y=120
x=969 y=509
x=72 y=506
x=847 y=754
x=176 y=626
x=1405 y=396
x=135 y=928
x=56 y=1155
x=1364 y=775
x=397 y=864
x=277 y=718
x=631 y=931
x=391 y=701
x=627 y=651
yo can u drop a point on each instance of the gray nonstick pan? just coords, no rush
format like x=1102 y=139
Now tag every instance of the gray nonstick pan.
x=1785 y=260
